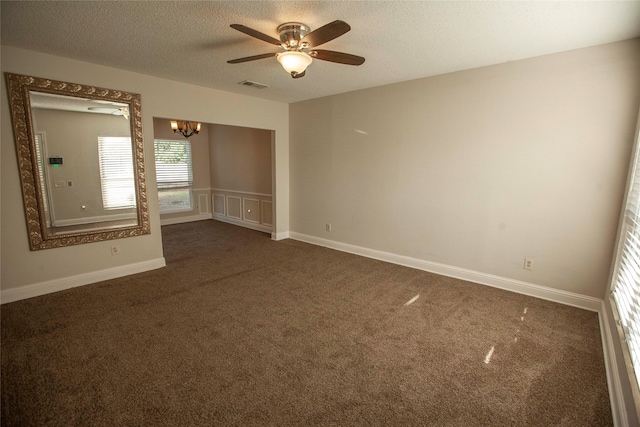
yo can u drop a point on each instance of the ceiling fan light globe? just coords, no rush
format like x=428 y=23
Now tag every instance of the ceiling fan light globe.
x=294 y=62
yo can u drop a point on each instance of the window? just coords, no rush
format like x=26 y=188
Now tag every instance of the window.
x=174 y=174
x=116 y=172
x=626 y=278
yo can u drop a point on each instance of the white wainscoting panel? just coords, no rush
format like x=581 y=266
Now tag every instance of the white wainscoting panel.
x=234 y=207
x=218 y=204
x=251 y=210
x=203 y=204
x=243 y=208
x=266 y=212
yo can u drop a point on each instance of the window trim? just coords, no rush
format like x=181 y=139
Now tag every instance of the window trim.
x=632 y=375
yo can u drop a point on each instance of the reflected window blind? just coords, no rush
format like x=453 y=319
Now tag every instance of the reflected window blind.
x=173 y=163
x=41 y=165
x=116 y=172
x=626 y=280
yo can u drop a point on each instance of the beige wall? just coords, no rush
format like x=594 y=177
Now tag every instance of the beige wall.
x=160 y=98
x=240 y=159
x=477 y=169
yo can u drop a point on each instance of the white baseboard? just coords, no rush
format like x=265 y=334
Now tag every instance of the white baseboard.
x=543 y=292
x=94 y=219
x=183 y=219
x=245 y=224
x=43 y=288
x=616 y=396
x=280 y=236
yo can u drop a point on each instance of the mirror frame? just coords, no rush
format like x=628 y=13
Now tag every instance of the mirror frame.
x=18 y=88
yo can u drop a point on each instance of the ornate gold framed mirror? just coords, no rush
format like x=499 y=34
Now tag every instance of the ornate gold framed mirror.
x=81 y=161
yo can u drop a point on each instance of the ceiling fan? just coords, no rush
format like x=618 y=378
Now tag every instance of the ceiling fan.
x=115 y=110
x=299 y=44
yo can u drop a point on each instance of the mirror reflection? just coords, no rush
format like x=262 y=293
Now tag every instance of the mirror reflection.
x=81 y=161
x=85 y=162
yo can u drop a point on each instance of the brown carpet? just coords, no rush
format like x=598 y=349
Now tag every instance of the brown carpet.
x=239 y=330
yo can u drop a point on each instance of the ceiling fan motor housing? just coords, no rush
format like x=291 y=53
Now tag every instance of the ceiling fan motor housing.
x=291 y=33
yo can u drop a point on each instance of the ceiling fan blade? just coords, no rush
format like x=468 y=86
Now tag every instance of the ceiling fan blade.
x=326 y=33
x=297 y=76
x=252 y=58
x=257 y=34
x=339 y=57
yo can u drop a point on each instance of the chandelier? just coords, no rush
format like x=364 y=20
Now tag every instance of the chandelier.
x=185 y=128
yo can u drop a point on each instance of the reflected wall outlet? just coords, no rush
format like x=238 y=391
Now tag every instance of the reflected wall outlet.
x=115 y=250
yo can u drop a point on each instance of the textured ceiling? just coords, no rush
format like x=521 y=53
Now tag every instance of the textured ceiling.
x=191 y=41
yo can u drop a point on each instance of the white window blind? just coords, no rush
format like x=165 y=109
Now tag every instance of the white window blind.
x=174 y=174
x=173 y=163
x=626 y=280
x=116 y=172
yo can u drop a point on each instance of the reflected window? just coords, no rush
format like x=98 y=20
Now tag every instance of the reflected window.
x=44 y=182
x=116 y=172
x=174 y=175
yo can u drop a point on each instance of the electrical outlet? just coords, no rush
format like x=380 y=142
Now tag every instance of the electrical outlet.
x=327 y=227
x=528 y=264
x=115 y=250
